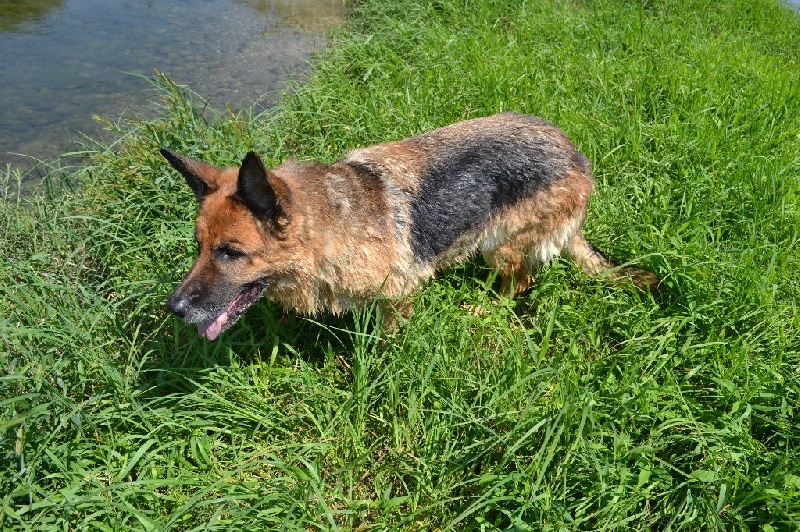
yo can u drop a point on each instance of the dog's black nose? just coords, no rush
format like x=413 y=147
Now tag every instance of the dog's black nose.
x=178 y=305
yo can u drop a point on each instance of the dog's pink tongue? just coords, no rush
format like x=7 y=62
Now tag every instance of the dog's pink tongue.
x=211 y=328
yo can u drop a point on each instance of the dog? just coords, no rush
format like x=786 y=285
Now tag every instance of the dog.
x=385 y=218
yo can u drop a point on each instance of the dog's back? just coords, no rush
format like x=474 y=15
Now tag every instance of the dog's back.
x=512 y=186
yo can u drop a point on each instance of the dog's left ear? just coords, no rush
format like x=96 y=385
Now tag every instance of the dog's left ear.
x=264 y=193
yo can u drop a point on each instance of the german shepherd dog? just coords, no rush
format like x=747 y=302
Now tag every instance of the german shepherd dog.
x=385 y=218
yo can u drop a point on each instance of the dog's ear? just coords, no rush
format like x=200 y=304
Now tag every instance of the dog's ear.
x=193 y=171
x=264 y=193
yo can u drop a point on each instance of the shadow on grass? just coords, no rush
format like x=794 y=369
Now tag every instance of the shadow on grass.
x=179 y=360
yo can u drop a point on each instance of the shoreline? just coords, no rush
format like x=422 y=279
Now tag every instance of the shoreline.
x=73 y=67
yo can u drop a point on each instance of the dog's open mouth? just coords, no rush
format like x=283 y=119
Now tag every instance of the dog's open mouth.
x=211 y=328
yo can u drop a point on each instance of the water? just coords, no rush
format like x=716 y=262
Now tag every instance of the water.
x=63 y=61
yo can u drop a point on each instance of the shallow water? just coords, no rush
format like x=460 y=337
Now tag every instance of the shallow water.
x=63 y=61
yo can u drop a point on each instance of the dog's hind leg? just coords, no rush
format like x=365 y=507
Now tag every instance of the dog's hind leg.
x=513 y=267
x=595 y=262
x=516 y=255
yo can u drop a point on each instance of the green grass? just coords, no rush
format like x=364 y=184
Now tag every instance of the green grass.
x=579 y=406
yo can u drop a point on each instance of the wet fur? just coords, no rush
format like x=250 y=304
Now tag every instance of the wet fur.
x=385 y=218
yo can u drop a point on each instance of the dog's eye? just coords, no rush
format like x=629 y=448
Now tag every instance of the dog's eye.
x=226 y=252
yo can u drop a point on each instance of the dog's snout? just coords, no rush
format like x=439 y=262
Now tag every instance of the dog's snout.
x=178 y=305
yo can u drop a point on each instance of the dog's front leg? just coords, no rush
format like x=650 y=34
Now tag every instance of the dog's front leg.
x=396 y=312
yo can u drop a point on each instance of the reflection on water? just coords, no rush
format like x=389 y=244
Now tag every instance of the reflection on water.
x=63 y=62
x=311 y=15
x=14 y=13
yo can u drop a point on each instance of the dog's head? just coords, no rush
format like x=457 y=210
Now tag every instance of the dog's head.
x=244 y=239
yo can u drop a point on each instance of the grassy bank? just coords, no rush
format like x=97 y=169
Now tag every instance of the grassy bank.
x=580 y=406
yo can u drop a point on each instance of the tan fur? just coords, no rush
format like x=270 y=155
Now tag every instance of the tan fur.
x=339 y=234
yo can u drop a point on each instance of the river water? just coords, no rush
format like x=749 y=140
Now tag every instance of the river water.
x=63 y=61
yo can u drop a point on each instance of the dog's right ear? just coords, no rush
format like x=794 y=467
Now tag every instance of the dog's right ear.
x=193 y=171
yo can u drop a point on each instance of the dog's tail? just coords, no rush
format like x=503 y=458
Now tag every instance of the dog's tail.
x=595 y=262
